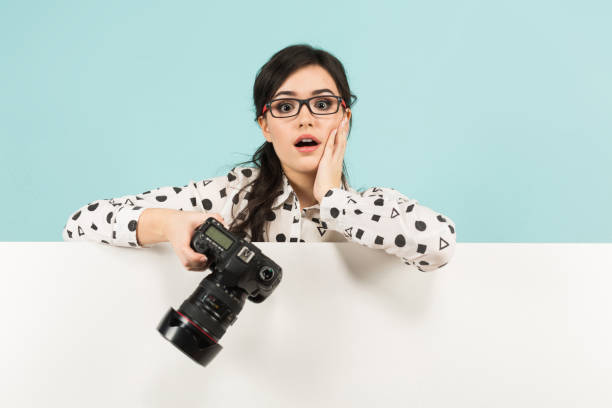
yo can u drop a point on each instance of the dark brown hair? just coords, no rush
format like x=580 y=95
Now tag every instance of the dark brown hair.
x=268 y=184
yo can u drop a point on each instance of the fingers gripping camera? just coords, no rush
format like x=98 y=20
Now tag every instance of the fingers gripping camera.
x=239 y=270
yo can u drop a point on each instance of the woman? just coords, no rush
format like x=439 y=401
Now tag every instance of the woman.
x=296 y=190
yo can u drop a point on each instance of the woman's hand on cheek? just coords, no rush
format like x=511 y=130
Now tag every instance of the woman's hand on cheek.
x=329 y=172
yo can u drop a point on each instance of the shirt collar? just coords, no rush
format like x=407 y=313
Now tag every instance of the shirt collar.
x=288 y=192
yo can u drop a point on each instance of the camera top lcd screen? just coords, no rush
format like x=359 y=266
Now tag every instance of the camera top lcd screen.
x=219 y=237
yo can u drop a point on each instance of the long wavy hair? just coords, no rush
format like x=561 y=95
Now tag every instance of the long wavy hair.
x=268 y=184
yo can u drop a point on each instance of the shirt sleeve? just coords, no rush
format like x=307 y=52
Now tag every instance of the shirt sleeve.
x=114 y=221
x=384 y=218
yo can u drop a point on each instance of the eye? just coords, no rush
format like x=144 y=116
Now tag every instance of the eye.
x=323 y=104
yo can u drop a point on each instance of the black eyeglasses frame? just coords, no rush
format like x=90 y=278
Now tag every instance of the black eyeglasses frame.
x=268 y=106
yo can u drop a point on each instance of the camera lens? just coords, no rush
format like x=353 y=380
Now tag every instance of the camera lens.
x=202 y=319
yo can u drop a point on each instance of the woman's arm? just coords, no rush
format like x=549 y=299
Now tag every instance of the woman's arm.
x=116 y=221
x=383 y=218
x=151 y=227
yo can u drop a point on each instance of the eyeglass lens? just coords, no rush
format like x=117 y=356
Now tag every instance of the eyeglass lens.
x=319 y=106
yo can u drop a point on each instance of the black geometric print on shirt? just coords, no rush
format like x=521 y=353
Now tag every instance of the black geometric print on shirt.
x=421 y=248
x=69 y=233
x=324 y=224
x=222 y=192
x=351 y=201
x=177 y=189
x=451 y=228
x=409 y=208
x=358 y=211
x=207 y=204
x=420 y=225
x=348 y=233
x=443 y=243
x=193 y=202
x=334 y=212
x=77 y=215
x=316 y=220
x=281 y=238
x=301 y=240
x=322 y=230
x=328 y=193
x=161 y=198
x=206 y=182
x=236 y=198
x=109 y=216
x=394 y=213
x=132 y=225
x=247 y=172
x=293 y=239
x=441 y=218
x=379 y=202
x=359 y=233
x=379 y=240
x=136 y=208
x=80 y=231
x=375 y=217
x=94 y=227
x=270 y=216
x=139 y=198
x=93 y=207
x=230 y=176
x=343 y=211
x=114 y=234
x=104 y=242
x=128 y=201
x=400 y=241
x=133 y=244
x=296 y=220
x=287 y=207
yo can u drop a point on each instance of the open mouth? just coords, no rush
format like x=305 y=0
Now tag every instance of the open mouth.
x=303 y=143
x=306 y=146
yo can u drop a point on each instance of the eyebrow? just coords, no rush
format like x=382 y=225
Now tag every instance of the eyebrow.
x=315 y=92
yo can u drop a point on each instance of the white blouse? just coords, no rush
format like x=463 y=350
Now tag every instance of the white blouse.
x=378 y=217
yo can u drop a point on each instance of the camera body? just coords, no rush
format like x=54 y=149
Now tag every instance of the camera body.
x=237 y=262
x=239 y=271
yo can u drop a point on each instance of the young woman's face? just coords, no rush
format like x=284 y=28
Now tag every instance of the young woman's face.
x=283 y=132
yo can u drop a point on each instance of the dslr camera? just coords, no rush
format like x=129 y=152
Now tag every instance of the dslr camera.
x=239 y=271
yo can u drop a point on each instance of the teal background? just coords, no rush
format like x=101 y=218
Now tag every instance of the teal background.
x=496 y=114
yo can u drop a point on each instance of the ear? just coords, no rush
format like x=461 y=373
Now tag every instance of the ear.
x=263 y=124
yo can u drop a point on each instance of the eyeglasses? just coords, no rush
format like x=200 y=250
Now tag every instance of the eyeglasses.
x=318 y=105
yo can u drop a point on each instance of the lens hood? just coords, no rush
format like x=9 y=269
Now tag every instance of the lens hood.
x=188 y=337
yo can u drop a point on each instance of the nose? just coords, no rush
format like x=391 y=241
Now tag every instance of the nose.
x=304 y=115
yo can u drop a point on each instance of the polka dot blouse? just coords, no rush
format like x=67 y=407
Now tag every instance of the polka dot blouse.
x=379 y=217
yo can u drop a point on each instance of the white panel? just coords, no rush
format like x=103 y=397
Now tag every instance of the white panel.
x=502 y=325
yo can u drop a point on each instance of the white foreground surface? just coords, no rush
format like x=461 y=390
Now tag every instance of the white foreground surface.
x=502 y=325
